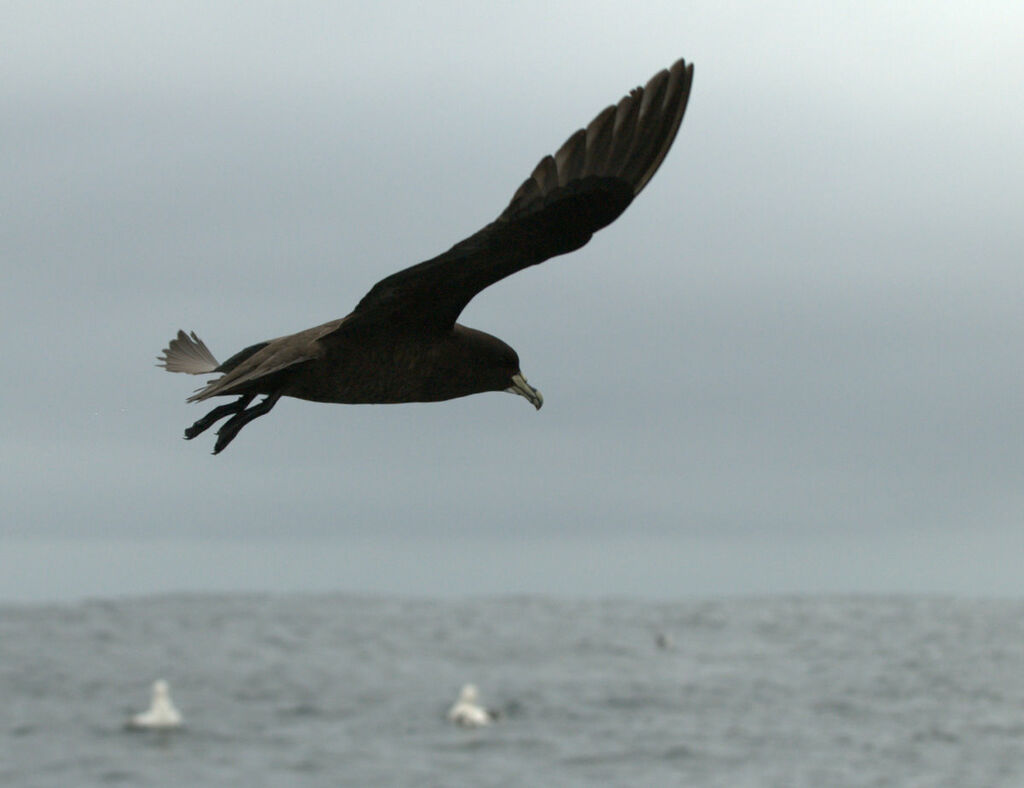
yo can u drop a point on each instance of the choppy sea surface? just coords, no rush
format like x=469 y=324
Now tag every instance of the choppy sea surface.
x=347 y=690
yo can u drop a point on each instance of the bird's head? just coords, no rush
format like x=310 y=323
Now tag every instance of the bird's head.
x=480 y=362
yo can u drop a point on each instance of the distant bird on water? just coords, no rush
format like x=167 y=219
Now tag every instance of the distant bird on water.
x=467 y=711
x=161 y=714
x=401 y=343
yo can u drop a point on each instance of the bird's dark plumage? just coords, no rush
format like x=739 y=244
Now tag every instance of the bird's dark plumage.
x=401 y=343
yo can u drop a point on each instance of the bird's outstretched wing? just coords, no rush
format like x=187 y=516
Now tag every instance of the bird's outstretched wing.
x=592 y=179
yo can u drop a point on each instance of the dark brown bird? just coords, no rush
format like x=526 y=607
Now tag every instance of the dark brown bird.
x=401 y=343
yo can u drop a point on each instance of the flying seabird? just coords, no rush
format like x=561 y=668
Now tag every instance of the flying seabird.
x=467 y=711
x=161 y=714
x=401 y=343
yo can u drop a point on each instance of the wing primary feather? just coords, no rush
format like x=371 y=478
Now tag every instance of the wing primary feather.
x=623 y=132
x=546 y=174
x=677 y=96
x=599 y=141
x=647 y=122
x=526 y=193
x=571 y=157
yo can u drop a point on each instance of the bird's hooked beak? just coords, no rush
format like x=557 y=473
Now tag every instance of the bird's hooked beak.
x=523 y=389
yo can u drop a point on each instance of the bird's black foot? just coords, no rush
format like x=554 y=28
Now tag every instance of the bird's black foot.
x=232 y=426
x=220 y=412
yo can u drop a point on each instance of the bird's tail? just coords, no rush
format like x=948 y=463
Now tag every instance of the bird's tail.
x=188 y=354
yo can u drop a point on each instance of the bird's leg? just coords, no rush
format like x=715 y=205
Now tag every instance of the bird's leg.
x=231 y=427
x=218 y=413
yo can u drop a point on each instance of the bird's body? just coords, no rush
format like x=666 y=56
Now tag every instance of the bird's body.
x=467 y=711
x=401 y=343
x=161 y=714
x=364 y=368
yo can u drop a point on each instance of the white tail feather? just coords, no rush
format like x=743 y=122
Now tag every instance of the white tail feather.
x=187 y=354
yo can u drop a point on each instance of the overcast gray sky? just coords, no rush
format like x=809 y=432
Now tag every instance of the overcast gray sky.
x=793 y=365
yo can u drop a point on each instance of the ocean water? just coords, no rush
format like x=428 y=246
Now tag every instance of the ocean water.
x=347 y=690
